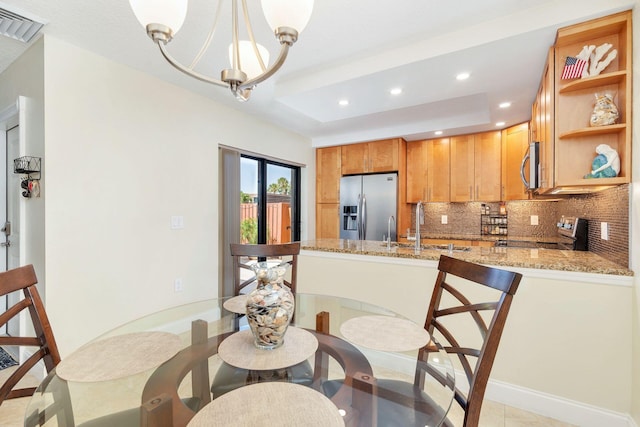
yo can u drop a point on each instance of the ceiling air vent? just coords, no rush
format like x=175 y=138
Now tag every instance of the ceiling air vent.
x=18 y=27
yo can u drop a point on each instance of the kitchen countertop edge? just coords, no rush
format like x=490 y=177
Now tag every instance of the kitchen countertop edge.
x=537 y=259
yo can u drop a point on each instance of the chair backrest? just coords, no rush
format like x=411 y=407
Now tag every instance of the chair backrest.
x=241 y=253
x=24 y=278
x=442 y=317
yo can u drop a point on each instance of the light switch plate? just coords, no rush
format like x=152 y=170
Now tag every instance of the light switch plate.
x=534 y=219
x=604 y=231
x=444 y=219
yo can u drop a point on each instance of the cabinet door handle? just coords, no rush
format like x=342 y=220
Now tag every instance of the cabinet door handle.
x=477 y=193
x=364 y=165
x=470 y=192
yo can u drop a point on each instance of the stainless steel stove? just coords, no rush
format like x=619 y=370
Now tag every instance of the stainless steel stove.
x=573 y=233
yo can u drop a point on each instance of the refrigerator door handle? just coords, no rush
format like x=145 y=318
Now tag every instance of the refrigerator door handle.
x=358 y=217
x=364 y=217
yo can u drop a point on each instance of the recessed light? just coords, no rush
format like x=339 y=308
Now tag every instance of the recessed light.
x=463 y=76
x=504 y=105
x=500 y=124
x=396 y=91
x=343 y=102
x=438 y=132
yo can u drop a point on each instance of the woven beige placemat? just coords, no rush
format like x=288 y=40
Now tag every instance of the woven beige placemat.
x=384 y=333
x=270 y=403
x=237 y=304
x=119 y=356
x=239 y=350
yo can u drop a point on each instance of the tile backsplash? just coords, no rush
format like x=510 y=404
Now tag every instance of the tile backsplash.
x=610 y=206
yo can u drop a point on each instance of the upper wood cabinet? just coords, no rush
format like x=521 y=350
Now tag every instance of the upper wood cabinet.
x=488 y=166
x=542 y=123
x=328 y=172
x=428 y=170
x=476 y=167
x=515 y=141
x=371 y=157
x=575 y=140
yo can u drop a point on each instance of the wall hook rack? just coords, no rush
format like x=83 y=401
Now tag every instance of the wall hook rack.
x=30 y=166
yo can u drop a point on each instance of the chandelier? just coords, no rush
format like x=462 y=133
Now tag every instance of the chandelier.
x=249 y=60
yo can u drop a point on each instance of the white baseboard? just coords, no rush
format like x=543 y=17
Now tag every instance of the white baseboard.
x=559 y=408
x=547 y=405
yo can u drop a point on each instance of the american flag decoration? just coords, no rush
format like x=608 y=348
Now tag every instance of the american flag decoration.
x=573 y=68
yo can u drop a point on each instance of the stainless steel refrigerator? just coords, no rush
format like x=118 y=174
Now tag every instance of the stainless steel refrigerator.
x=366 y=204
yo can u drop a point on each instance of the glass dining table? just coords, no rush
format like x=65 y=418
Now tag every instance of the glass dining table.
x=196 y=365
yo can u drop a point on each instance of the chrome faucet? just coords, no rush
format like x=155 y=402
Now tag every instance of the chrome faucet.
x=389 y=231
x=419 y=220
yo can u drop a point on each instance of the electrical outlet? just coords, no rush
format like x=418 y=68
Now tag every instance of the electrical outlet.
x=177 y=222
x=444 y=219
x=534 y=219
x=604 y=231
x=177 y=285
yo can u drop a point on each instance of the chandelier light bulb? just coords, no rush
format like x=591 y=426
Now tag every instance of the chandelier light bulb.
x=287 y=13
x=170 y=13
x=249 y=63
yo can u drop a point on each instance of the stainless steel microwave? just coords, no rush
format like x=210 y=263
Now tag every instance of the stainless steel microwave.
x=532 y=156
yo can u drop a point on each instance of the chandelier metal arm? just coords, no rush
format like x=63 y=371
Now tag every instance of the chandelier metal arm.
x=187 y=70
x=284 y=51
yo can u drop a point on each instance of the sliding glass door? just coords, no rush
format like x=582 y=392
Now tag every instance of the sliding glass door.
x=269 y=201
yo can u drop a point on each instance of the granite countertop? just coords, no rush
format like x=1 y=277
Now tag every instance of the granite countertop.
x=488 y=238
x=546 y=259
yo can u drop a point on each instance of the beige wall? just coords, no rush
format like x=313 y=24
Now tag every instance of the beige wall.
x=123 y=153
x=635 y=221
x=568 y=338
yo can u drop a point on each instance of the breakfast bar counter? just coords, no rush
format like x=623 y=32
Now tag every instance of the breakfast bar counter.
x=569 y=303
x=535 y=258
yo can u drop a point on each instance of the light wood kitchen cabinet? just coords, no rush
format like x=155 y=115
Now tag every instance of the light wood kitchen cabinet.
x=575 y=140
x=476 y=167
x=328 y=173
x=462 y=154
x=428 y=170
x=371 y=157
x=327 y=220
x=542 y=123
x=515 y=141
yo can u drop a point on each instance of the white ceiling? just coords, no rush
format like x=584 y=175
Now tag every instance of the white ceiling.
x=355 y=49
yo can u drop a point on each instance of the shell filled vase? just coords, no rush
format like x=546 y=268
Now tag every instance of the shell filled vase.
x=269 y=306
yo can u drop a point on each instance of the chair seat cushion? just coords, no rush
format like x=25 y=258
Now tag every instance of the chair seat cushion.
x=229 y=377
x=400 y=404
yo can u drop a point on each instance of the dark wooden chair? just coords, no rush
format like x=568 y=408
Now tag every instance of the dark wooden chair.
x=42 y=345
x=228 y=377
x=241 y=254
x=405 y=404
x=24 y=279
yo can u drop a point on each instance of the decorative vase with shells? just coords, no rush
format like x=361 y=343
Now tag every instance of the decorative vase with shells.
x=270 y=306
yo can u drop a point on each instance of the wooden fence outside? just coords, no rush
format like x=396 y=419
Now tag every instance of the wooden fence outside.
x=278 y=221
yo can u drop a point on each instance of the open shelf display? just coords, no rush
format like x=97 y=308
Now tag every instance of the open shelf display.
x=576 y=140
